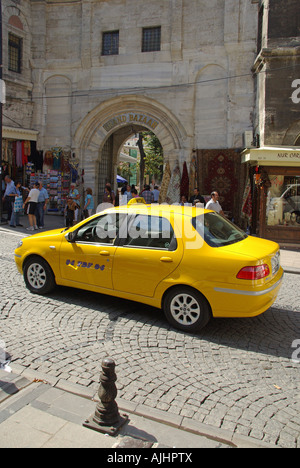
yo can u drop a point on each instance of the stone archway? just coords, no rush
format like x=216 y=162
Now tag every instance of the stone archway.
x=121 y=117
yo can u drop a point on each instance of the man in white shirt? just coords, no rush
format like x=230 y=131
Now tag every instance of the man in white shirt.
x=32 y=199
x=213 y=204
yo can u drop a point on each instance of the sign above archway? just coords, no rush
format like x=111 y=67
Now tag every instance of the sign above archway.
x=137 y=113
x=130 y=118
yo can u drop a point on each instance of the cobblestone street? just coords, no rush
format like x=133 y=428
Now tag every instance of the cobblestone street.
x=236 y=374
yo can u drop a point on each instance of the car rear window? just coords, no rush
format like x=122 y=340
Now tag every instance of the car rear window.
x=216 y=230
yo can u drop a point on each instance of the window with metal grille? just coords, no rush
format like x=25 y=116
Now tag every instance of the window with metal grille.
x=110 y=43
x=14 y=53
x=260 y=29
x=151 y=39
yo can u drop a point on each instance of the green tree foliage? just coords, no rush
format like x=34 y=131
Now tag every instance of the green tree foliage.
x=154 y=155
x=151 y=159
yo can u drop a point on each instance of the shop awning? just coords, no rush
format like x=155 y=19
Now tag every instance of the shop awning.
x=16 y=133
x=121 y=179
x=272 y=156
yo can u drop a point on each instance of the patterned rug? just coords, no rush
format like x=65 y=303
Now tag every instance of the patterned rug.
x=173 y=193
x=220 y=170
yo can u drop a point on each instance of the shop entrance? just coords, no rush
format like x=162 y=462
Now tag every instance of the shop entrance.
x=121 y=155
x=102 y=133
x=275 y=179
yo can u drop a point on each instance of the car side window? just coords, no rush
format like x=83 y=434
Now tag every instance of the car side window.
x=153 y=232
x=101 y=230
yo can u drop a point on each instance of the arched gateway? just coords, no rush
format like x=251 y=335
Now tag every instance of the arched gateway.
x=100 y=136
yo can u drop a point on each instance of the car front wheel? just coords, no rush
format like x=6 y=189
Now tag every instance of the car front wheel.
x=186 y=309
x=38 y=276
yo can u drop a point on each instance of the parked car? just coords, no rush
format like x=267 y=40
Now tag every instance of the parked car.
x=190 y=262
x=286 y=208
x=291 y=200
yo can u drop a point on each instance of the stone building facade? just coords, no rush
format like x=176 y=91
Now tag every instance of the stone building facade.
x=275 y=163
x=95 y=72
x=277 y=68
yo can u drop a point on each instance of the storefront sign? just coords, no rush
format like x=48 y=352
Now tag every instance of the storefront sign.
x=288 y=156
x=272 y=156
x=132 y=118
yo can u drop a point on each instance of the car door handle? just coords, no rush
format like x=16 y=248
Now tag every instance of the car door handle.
x=166 y=259
x=104 y=253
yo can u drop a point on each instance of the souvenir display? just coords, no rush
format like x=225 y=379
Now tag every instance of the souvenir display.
x=55 y=168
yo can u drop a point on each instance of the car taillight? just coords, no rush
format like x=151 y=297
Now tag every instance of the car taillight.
x=254 y=272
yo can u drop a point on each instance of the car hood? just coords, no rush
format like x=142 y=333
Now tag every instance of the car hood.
x=253 y=247
x=52 y=233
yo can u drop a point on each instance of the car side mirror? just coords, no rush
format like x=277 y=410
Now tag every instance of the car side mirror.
x=71 y=236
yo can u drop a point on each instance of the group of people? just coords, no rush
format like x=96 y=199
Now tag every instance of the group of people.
x=150 y=196
x=73 y=205
x=197 y=199
x=36 y=201
x=128 y=192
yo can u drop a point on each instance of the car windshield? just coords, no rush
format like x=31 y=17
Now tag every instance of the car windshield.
x=216 y=230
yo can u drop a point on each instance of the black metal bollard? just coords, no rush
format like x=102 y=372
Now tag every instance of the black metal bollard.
x=107 y=418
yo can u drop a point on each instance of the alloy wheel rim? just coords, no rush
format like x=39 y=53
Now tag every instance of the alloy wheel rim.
x=36 y=276
x=185 y=309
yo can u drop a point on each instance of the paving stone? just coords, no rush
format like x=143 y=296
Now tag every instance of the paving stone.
x=236 y=373
x=131 y=443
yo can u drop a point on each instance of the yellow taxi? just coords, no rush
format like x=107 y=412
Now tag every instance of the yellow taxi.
x=192 y=263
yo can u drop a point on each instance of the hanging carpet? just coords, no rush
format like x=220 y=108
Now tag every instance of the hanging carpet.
x=173 y=193
x=184 y=184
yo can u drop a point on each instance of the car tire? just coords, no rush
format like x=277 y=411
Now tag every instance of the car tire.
x=186 y=309
x=38 y=276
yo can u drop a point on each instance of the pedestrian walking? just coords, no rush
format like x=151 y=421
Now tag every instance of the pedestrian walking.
x=155 y=192
x=197 y=198
x=17 y=206
x=9 y=196
x=74 y=194
x=32 y=199
x=213 y=204
x=147 y=194
x=88 y=203
x=133 y=192
x=70 y=209
x=183 y=201
x=109 y=196
x=41 y=206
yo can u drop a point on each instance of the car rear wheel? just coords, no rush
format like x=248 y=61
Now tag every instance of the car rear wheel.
x=38 y=276
x=186 y=309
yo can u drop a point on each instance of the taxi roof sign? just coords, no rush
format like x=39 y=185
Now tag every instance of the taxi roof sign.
x=136 y=200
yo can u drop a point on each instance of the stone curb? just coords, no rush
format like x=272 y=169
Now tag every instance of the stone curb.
x=292 y=270
x=169 y=419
